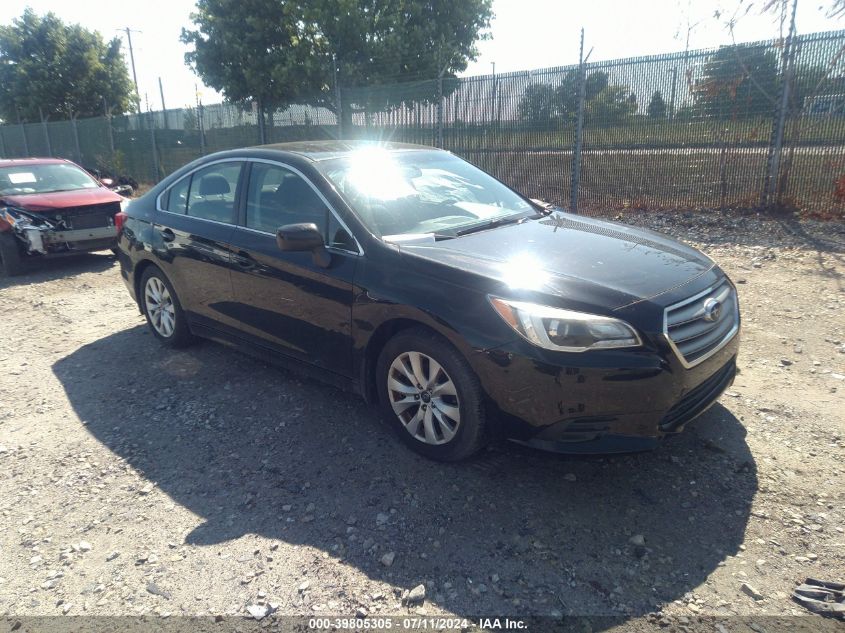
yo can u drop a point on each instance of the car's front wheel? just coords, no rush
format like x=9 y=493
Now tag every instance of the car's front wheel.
x=162 y=309
x=430 y=395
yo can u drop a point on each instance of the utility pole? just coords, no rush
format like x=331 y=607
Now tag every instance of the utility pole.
x=129 y=32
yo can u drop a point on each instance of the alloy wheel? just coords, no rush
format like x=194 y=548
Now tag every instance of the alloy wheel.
x=160 y=307
x=424 y=398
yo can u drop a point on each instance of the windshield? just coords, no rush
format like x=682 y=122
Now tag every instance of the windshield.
x=35 y=178
x=412 y=193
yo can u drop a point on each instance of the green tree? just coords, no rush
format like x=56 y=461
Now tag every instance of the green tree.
x=567 y=92
x=738 y=81
x=189 y=119
x=543 y=103
x=280 y=51
x=657 y=106
x=610 y=106
x=59 y=68
x=538 y=103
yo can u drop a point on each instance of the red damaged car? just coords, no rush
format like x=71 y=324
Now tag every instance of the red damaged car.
x=51 y=207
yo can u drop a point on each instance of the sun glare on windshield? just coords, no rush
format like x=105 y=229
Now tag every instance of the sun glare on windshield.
x=374 y=174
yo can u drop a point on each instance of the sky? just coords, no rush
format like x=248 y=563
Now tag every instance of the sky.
x=526 y=34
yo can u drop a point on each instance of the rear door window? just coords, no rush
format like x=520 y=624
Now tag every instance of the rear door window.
x=177 y=197
x=211 y=194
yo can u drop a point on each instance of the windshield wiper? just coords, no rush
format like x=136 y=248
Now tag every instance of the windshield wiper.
x=490 y=224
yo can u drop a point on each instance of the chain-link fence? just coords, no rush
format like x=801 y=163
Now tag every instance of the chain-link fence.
x=744 y=125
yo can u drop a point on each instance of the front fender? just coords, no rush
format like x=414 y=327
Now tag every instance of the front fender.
x=393 y=297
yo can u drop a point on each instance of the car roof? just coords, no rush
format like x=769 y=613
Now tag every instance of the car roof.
x=327 y=150
x=12 y=162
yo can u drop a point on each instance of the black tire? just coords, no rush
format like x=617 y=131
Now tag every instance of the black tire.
x=180 y=336
x=11 y=262
x=472 y=433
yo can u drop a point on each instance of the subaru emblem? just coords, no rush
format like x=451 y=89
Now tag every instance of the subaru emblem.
x=712 y=309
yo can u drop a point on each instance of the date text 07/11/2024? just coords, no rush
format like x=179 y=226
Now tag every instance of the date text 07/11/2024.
x=419 y=623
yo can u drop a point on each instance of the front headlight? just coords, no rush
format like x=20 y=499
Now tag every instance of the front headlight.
x=565 y=330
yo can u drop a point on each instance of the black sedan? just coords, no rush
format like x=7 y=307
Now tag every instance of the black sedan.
x=463 y=309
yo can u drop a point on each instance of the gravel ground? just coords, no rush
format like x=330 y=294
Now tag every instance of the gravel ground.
x=137 y=480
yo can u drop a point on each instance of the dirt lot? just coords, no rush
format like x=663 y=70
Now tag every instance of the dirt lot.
x=136 y=480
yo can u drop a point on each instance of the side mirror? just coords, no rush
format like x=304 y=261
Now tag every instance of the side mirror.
x=108 y=182
x=304 y=237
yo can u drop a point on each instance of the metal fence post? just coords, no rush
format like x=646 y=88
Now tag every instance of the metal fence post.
x=262 y=135
x=23 y=135
x=111 y=136
x=579 y=132
x=338 y=101
x=153 y=146
x=201 y=125
x=776 y=144
x=76 y=139
x=46 y=132
x=440 y=111
x=2 y=143
x=107 y=115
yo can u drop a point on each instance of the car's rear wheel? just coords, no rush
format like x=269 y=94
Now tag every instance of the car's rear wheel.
x=162 y=309
x=430 y=395
x=10 y=256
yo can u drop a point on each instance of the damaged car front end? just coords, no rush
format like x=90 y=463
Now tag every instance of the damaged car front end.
x=42 y=215
x=68 y=232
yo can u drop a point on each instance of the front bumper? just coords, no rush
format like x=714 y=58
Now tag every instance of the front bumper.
x=82 y=240
x=602 y=401
x=45 y=242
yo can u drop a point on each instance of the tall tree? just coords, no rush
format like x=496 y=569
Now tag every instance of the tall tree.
x=542 y=103
x=657 y=106
x=537 y=104
x=738 y=81
x=285 y=51
x=60 y=69
x=611 y=106
x=566 y=93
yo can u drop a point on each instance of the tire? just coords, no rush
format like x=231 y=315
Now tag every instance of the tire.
x=439 y=425
x=162 y=309
x=11 y=263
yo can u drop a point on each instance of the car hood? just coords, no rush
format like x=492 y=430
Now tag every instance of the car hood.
x=564 y=254
x=45 y=202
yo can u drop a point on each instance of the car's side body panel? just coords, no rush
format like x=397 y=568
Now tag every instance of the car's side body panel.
x=291 y=304
x=196 y=256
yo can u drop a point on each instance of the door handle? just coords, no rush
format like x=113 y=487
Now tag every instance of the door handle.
x=244 y=260
x=167 y=235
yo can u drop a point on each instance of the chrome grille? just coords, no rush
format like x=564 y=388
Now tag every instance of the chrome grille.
x=697 y=335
